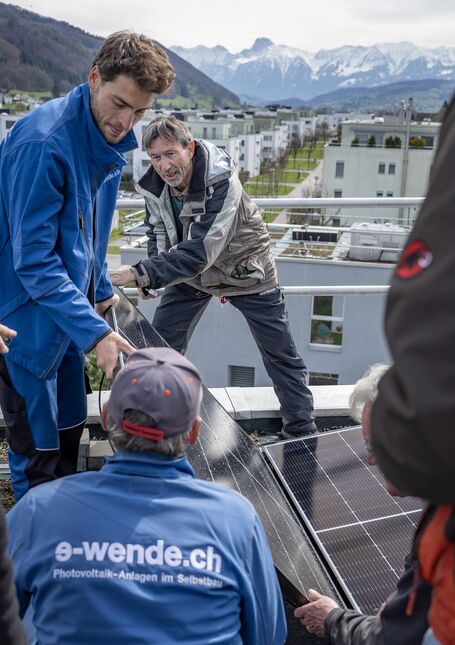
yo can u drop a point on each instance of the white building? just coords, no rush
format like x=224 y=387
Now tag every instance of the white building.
x=365 y=165
x=274 y=143
x=6 y=123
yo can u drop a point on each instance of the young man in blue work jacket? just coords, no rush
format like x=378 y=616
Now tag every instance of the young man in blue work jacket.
x=142 y=552
x=60 y=168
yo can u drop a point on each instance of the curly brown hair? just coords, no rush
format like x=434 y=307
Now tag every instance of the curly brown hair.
x=138 y=57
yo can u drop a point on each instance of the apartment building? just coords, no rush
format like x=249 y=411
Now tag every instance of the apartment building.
x=379 y=158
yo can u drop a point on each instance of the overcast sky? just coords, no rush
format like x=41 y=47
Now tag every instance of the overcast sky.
x=235 y=24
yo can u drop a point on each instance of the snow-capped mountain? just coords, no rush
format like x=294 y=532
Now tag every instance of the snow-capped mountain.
x=272 y=72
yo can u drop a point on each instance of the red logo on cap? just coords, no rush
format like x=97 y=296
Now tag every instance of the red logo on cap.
x=415 y=258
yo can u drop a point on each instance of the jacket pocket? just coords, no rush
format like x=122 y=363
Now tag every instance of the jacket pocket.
x=78 y=257
x=245 y=273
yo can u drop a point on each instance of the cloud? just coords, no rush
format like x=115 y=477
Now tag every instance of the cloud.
x=389 y=11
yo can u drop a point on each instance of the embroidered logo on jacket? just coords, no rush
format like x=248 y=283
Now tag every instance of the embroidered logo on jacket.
x=415 y=257
x=113 y=174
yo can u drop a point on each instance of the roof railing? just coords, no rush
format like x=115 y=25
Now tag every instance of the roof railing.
x=338 y=290
x=290 y=203
x=310 y=202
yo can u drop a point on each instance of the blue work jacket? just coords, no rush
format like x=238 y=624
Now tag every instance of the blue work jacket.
x=55 y=166
x=142 y=552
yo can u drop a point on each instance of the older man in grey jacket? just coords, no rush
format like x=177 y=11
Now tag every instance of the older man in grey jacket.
x=207 y=238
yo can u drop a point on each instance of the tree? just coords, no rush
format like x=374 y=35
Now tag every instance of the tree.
x=418 y=142
x=56 y=88
x=324 y=128
x=355 y=141
x=311 y=146
x=392 y=142
x=338 y=133
x=295 y=144
x=371 y=143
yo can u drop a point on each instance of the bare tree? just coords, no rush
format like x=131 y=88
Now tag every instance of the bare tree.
x=295 y=145
x=311 y=141
x=324 y=129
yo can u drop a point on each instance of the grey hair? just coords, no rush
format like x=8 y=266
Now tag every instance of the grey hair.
x=166 y=127
x=122 y=440
x=366 y=390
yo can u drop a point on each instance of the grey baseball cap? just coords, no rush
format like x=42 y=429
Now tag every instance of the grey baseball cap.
x=161 y=383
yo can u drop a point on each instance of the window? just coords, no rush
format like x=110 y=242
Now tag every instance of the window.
x=241 y=376
x=322 y=378
x=327 y=321
x=338 y=192
x=213 y=133
x=391 y=168
x=381 y=168
x=339 y=169
x=389 y=194
x=379 y=193
x=204 y=133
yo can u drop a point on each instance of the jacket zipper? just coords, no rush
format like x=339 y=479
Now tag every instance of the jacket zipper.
x=84 y=233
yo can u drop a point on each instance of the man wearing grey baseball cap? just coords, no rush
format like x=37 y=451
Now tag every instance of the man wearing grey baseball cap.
x=141 y=551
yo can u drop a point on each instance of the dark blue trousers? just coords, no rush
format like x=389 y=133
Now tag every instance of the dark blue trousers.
x=44 y=420
x=180 y=310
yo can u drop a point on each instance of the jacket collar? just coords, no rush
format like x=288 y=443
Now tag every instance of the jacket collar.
x=148 y=465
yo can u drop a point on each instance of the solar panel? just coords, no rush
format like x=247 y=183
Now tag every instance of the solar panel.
x=225 y=454
x=364 y=532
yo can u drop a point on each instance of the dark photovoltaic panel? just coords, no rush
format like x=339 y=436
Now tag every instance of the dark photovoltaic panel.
x=364 y=531
x=225 y=454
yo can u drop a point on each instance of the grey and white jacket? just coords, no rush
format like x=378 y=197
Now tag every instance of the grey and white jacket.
x=226 y=248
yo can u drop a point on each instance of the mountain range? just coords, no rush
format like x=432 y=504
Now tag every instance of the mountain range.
x=46 y=55
x=268 y=72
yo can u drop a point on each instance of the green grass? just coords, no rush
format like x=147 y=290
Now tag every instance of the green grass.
x=294 y=176
x=268 y=218
x=281 y=189
x=36 y=95
x=113 y=249
x=182 y=103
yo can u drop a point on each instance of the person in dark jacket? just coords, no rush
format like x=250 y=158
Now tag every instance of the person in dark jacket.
x=413 y=416
x=207 y=238
x=60 y=168
x=142 y=551
x=403 y=618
